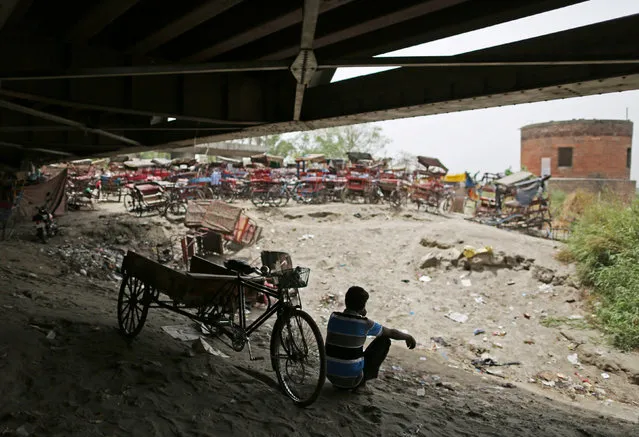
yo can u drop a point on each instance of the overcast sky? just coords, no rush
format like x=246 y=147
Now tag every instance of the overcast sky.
x=489 y=139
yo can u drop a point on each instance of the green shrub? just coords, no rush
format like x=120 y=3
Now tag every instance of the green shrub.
x=605 y=244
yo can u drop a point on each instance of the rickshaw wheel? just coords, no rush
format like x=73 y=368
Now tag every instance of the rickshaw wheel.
x=129 y=203
x=133 y=306
x=298 y=357
x=446 y=204
x=396 y=199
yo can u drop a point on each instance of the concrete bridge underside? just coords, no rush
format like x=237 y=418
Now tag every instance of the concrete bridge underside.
x=95 y=78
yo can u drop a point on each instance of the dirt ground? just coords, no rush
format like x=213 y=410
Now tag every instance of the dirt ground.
x=66 y=371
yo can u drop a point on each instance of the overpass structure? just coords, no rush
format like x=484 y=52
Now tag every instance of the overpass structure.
x=87 y=78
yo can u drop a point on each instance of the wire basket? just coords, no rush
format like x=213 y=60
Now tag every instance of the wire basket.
x=292 y=278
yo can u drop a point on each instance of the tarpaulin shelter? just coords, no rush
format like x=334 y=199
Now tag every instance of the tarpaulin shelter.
x=50 y=194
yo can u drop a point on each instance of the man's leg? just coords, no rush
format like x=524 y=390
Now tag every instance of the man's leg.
x=374 y=356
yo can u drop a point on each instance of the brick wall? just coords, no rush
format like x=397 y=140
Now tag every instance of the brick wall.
x=599 y=148
x=625 y=189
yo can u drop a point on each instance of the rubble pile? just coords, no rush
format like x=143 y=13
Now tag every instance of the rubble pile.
x=89 y=260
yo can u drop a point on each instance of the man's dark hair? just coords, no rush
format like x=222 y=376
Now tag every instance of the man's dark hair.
x=356 y=298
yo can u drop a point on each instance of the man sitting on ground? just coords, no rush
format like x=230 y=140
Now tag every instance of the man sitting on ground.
x=349 y=366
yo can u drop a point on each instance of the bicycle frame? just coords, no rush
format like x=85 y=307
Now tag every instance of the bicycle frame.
x=283 y=304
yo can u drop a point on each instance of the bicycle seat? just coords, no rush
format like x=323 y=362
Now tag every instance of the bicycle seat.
x=239 y=266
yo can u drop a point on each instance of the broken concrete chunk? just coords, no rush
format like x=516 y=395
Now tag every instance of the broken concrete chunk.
x=543 y=274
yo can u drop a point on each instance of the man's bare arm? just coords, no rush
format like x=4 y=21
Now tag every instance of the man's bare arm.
x=394 y=334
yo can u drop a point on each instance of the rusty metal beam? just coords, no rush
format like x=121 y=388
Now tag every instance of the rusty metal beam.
x=65 y=121
x=183 y=24
x=275 y=25
x=118 y=110
x=100 y=16
x=368 y=26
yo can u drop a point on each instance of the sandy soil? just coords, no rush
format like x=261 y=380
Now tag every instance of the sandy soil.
x=66 y=371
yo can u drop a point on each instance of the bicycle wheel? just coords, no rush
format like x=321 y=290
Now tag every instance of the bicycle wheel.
x=227 y=195
x=133 y=306
x=298 y=357
x=258 y=198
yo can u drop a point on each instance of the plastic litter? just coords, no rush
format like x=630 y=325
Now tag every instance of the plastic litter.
x=478 y=331
x=457 y=317
x=425 y=278
x=421 y=392
x=605 y=376
x=573 y=358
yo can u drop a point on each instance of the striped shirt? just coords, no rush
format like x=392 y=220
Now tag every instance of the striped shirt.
x=345 y=340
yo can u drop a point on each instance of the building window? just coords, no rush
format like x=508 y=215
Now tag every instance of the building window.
x=628 y=157
x=565 y=157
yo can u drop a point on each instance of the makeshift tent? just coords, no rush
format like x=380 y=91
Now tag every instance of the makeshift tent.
x=50 y=194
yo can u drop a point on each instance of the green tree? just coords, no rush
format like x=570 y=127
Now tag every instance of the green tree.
x=336 y=142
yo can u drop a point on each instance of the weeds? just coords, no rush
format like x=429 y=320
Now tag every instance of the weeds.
x=605 y=245
x=555 y=322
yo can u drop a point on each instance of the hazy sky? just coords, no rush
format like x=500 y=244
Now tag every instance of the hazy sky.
x=489 y=139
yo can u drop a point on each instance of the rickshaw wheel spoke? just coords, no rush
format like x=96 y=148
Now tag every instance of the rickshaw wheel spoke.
x=133 y=306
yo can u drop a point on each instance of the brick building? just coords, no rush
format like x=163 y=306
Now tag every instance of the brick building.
x=588 y=154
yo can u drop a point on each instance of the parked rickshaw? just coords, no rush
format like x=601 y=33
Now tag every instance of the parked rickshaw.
x=428 y=190
x=215 y=296
x=145 y=197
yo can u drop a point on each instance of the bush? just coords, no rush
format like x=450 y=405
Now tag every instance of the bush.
x=605 y=244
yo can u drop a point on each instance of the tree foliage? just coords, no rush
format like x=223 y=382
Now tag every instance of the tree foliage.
x=333 y=142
